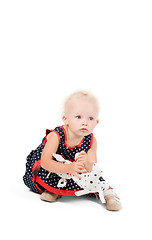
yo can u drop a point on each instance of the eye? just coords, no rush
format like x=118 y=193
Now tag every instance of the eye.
x=78 y=117
x=90 y=118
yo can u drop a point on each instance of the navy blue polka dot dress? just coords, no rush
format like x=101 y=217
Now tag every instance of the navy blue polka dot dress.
x=36 y=177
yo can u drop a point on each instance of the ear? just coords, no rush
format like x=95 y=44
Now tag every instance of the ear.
x=97 y=121
x=64 y=118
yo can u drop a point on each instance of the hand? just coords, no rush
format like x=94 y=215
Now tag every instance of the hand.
x=75 y=168
x=82 y=157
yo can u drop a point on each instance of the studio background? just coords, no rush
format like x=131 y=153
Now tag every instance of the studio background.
x=48 y=49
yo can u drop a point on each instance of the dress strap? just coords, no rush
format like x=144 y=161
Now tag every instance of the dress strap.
x=55 y=130
x=48 y=131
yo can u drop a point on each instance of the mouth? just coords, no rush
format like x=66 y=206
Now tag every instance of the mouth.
x=84 y=129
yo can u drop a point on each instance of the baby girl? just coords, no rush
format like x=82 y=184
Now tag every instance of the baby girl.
x=80 y=117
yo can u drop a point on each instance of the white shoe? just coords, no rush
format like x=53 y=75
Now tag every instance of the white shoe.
x=112 y=200
x=49 y=197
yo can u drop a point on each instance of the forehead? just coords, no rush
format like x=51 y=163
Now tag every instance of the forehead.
x=81 y=106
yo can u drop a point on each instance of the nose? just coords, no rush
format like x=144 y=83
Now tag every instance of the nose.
x=84 y=122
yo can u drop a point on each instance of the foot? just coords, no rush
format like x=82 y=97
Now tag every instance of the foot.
x=112 y=200
x=49 y=197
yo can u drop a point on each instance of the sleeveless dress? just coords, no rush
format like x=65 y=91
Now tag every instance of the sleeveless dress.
x=36 y=178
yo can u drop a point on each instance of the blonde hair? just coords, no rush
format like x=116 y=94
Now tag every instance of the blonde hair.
x=81 y=95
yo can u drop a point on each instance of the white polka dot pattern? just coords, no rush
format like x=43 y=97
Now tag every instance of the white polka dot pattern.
x=65 y=151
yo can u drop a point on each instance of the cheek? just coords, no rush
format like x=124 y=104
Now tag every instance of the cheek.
x=93 y=124
x=73 y=123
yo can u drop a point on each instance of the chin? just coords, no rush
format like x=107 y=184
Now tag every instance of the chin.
x=86 y=133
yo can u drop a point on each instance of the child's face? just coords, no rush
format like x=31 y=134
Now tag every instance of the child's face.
x=81 y=116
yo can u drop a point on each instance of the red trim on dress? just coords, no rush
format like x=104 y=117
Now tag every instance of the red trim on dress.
x=36 y=164
x=54 y=190
x=65 y=143
x=37 y=179
x=44 y=141
x=33 y=180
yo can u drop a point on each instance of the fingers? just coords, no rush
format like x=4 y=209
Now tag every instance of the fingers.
x=77 y=175
x=80 y=165
x=78 y=168
x=80 y=159
x=82 y=153
x=83 y=171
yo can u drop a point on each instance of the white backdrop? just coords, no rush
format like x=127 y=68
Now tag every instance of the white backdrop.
x=49 y=49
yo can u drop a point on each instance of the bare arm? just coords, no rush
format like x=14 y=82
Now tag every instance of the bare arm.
x=89 y=158
x=50 y=165
x=47 y=161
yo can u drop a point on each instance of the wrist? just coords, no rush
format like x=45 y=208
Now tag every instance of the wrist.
x=68 y=168
x=63 y=168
